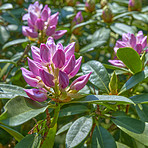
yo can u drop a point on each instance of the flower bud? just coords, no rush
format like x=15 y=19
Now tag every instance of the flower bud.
x=50 y=30
x=63 y=79
x=59 y=58
x=80 y=82
x=135 y=5
x=90 y=5
x=46 y=77
x=31 y=33
x=44 y=13
x=29 y=77
x=36 y=54
x=39 y=24
x=36 y=94
x=69 y=50
x=58 y=34
x=107 y=15
x=45 y=53
x=33 y=17
x=54 y=19
x=70 y=65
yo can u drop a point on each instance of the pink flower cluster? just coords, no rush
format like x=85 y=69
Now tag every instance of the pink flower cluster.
x=138 y=43
x=77 y=19
x=52 y=67
x=40 y=19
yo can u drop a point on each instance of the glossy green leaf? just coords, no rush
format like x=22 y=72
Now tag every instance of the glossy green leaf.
x=19 y=110
x=134 y=80
x=142 y=110
x=78 y=131
x=104 y=98
x=4 y=34
x=49 y=141
x=18 y=136
x=8 y=91
x=6 y=6
x=73 y=110
x=91 y=46
x=121 y=28
x=99 y=76
x=142 y=138
x=140 y=99
x=131 y=124
x=64 y=128
x=30 y=141
x=121 y=145
x=130 y=58
x=102 y=34
x=14 y=42
x=101 y=138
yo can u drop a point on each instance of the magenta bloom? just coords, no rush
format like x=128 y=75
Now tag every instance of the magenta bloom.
x=135 y=5
x=51 y=68
x=77 y=19
x=138 y=43
x=40 y=21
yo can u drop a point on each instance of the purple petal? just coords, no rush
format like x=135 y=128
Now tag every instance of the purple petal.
x=45 y=53
x=39 y=24
x=33 y=17
x=31 y=33
x=29 y=77
x=133 y=40
x=54 y=19
x=59 y=34
x=34 y=66
x=80 y=82
x=51 y=45
x=76 y=68
x=25 y=16
x=36 y=94
x=50 y=30
x=44 y=13
x=59 y=58
x=144 y=42
x=46 y=77
x=70 y=65
x=63 y=79
x=36 y=54
x=24 y=30
x=139 y=48
x=117 y=63
x=69 y=50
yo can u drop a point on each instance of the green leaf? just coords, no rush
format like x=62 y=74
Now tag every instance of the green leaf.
x=131 y=124
x=8 y=91
x=142 y=110
x=78 y=131
x=140 y=99
x=104 y=98
x=130 y=58
x=91 y=46
x=121 y=145
x=18 y=136
x=19 y=110
x=30 y=141
x=4 y=34
x=14 y=42
x=6 y=6
x=102 y=34
x=64 y=128
x=99 y=76
x=49 y=141
x=135 y=79
x=101 y=138
x=115 y=68
x=142 y=138
x=121 y=28
x=83 y=24
x=73 y=110
x=7 y=61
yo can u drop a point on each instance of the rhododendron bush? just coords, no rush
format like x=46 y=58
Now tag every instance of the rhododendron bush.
x=74 y=74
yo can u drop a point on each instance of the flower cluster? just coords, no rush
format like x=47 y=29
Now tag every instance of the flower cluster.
x=50 y=70
x=41 y=23
x=138 y=43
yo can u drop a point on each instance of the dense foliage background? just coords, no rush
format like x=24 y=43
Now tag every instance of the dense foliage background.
x=114 y=114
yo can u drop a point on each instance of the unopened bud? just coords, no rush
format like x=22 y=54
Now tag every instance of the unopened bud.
x=135 y=5
x=90 y=5
x=107 y=15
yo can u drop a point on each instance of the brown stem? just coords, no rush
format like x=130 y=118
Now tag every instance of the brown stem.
x=127 y=109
